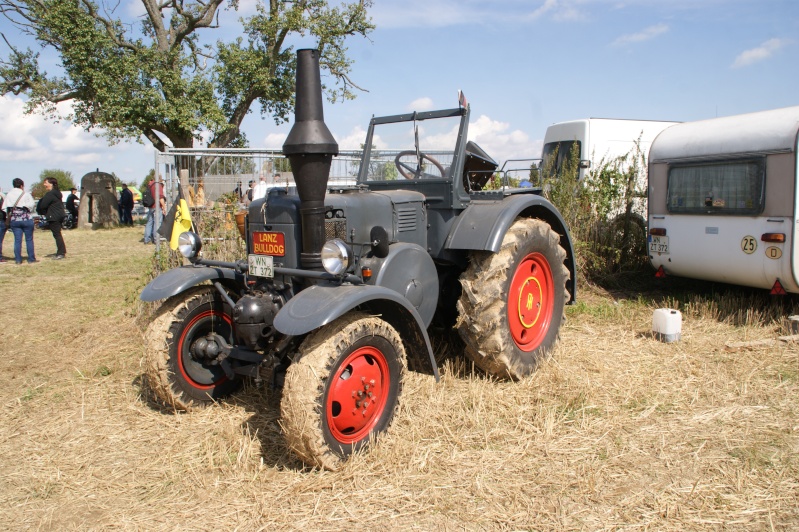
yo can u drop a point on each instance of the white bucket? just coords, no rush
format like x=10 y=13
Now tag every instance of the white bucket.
x=667 y=324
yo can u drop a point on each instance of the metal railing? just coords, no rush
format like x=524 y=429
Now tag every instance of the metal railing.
x=216 y=181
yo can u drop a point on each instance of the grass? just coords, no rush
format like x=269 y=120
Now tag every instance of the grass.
x=615 y=431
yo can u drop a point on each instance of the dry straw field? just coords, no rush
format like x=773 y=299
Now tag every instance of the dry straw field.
x=615 y=431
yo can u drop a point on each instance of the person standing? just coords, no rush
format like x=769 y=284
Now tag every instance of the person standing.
x=155 y=214
x=2 y=226
x=248 y=196
x=18 y=205
x=126 y=205
x=71 y=208
x=52 y=209
x=260 y=189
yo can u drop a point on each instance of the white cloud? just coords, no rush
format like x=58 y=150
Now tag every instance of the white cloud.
x=20 y=132
x=440 y=141
x=538 y=12
x=29 y=143
x=647 y=34
x=354 y=139
x=500 y=142
x=447 y=13
x=134 y=9
x=761 y=53
x=420 y=104
x=274 y=141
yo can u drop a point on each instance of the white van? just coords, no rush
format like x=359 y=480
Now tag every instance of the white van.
x=723 y=197
x=598 y=140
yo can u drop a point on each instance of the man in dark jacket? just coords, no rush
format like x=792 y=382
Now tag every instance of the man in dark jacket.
x=126 y=205
x=52 y=209
x=71 y=208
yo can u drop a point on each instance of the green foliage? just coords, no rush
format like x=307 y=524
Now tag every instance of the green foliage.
x=605 y=212
x=281 y=164
x=149 y=177
x=64 y=178
x=156 y=77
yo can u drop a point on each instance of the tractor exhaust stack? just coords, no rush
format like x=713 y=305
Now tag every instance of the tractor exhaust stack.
x=310 y=148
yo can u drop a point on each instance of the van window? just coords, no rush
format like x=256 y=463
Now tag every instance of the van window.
x=724 y=187
x=560 y=157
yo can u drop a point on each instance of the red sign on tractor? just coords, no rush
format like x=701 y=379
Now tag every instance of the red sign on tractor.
x=264 y=243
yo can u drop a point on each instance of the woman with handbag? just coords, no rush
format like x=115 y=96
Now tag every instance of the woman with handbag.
x=51 y=206
x=18 y=205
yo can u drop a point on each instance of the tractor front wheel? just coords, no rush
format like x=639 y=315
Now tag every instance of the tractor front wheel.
x=342 y=389
x=512 y=301
x=175 y=373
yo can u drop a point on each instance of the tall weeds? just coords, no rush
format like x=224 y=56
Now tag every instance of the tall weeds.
x=605 y=212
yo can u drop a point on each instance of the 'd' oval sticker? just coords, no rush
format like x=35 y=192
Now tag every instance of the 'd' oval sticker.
x=773 y=252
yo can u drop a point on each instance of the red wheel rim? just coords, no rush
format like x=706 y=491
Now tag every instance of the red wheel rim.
x=357 y=395
x=192 y=369
x=531 y=302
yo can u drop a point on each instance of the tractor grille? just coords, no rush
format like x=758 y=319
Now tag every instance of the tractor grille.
x=336 y=229
x=406 y=219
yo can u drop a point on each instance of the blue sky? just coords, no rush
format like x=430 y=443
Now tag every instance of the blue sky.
x=523 y=64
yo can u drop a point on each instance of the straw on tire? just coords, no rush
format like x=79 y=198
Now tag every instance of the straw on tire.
x=482 y=307
x=159 y=340
x=307 y=381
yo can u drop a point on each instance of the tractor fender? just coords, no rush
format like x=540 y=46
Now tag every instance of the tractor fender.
x=483 y=224
x=320 y=304
x=177 y=280
x=409 y=270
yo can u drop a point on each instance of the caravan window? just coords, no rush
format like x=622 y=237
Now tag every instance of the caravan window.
x=560 y=157
x=726 y=187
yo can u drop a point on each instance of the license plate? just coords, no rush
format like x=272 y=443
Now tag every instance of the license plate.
x=659 y=244
x=261 y=265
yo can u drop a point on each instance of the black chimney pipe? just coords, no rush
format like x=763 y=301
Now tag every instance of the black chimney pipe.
x=310 y=148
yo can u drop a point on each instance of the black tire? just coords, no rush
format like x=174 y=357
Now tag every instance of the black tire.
x=323 y=416
x=512 y=301
x=627 y=239
x=175 y=377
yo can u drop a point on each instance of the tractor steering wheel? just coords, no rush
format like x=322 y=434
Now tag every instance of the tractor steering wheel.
x=409 y=172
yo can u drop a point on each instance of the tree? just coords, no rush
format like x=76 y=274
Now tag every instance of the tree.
x=156 y=77
x=149 y=177
x=64 y=178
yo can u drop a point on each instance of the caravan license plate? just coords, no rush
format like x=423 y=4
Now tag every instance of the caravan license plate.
x=262 y=265
x=659 y=244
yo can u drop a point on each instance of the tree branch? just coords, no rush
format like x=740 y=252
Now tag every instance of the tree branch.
x=225 y=137
x=204 y=19
x=110 y=29
x=154 y=139
x=154 y=14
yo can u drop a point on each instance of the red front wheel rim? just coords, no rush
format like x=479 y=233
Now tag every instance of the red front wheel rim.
x=358 y=395
x=197 y=374
x=531 y=302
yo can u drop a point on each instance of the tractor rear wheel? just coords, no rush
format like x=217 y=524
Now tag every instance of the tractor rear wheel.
x=512 y=301
x=342 y=389
x=174 y=373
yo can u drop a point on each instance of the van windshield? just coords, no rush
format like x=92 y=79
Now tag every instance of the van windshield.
x=560 y=159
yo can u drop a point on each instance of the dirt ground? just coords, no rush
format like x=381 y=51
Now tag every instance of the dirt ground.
x=616 y=431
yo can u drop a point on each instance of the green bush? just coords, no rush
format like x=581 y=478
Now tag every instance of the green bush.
x=217 y=227
x=605 y=212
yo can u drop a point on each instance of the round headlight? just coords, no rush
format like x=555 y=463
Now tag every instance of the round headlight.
x=189 y=244
x=336 y=256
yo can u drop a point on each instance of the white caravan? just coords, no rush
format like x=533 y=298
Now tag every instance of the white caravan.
x=598 y=140
x=723 y=197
